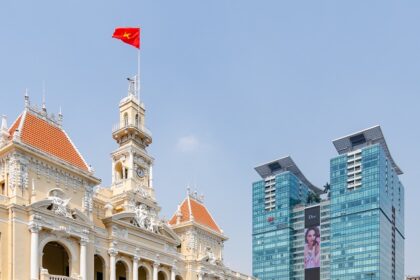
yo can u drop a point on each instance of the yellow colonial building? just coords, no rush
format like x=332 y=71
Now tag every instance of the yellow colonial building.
x=56 y=223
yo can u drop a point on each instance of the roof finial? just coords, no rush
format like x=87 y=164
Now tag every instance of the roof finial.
x=178 y=215
x=4 y=123
x=27 y=103
x=4 y=131
x=60 y=116
x=44 y=107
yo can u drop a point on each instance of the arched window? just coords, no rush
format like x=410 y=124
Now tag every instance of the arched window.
x=99 y=268
x=118 y=171
x=55 y=259
x=121 y=270
x=162 y=275
x=125 y=119
x=137 y=120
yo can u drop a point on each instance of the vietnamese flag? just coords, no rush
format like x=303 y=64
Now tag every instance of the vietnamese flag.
x=129 y=35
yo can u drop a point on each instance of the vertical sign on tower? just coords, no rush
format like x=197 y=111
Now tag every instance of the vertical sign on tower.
x=312 y=249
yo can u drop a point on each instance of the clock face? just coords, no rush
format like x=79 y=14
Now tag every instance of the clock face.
x=140 y=172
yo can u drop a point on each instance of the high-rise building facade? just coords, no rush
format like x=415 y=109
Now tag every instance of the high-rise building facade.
x=354 y=229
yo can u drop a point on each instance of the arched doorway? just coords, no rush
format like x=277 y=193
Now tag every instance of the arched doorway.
x=99 y=268
x=162 y=275
x=143 y=273
x=178 y=277
x=56 y=259
x=121 y=271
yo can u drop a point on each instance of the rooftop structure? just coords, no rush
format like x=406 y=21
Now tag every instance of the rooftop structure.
x=363 y=138
x=278 y=166
x=192 y=209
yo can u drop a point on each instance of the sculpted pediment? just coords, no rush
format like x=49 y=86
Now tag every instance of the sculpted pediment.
x=148 y=223
x=58 y=204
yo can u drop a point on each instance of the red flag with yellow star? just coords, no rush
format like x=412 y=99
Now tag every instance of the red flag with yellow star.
x=129 y=35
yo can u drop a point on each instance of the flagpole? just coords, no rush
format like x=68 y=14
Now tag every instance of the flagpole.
x=138 y=72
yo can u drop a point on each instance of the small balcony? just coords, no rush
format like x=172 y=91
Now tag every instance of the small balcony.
x=140 y=127
x=119 y=130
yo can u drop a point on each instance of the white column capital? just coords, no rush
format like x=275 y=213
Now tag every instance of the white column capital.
x=84 y=241
x=136 y=258
x=34 y=227
x=113 y=252
x=156 y=264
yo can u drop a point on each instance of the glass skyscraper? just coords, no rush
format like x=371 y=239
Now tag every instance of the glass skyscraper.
x=352 y=230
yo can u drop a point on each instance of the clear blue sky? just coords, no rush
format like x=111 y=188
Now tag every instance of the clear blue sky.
x=227 y=85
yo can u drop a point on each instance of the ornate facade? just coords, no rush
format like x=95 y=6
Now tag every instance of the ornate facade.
x=56 y=223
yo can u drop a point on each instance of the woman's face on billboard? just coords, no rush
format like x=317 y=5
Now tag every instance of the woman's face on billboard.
x=310 y=237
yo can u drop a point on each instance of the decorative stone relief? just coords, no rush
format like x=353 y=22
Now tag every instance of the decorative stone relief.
x=170 y=249
x=140 y=189
x=18 y=172
x=119 y=232
x=88 y=200
x=59 y=205
x=2 y=169
x=191 y=238
x=210 y=256
x=147 y=218
x=52 y=173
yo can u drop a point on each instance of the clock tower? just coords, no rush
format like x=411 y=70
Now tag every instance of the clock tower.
x=131 y=164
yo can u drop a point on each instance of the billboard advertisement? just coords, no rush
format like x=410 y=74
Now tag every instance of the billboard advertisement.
x=312 y=247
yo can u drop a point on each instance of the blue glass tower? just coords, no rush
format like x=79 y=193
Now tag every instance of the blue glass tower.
x=282 y=189
x=361 y=219
x=367 y=209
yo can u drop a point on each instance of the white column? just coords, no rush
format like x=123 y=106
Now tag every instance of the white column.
x=136 y=268
x=173 y=273
x=200 y=276
x=83 y=258
x=112 y=271
x=155 y=270
x=34 y=228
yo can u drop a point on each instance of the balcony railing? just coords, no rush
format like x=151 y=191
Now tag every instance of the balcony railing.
x=46 y=276
x=60 y=277
x=142 y=128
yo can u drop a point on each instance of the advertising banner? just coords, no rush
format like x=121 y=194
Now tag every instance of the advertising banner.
x=312 y=249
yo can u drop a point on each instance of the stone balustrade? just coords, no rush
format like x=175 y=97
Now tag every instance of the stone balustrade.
x=46 y=276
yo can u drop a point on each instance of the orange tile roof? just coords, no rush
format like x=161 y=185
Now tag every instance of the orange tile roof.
x=47 y=137
x=198 y=211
